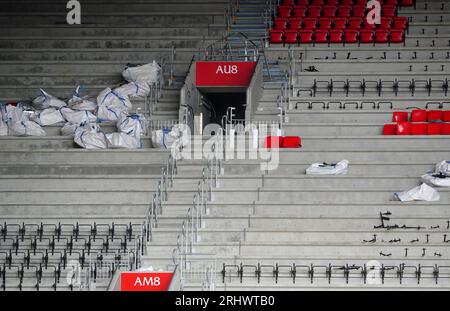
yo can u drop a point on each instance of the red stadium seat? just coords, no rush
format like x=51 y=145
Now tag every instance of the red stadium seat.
x=418 y=115
x=368 y=26
x=276 y=36
x=446 y=129
x=280 y=23
x=291 y=36
x=361 y=2
x=329 y=11
x=397 y=36
x=295 y=23
x=300 y=11
x=291 y=142
x=407 y=2
x=434 y=129
x=273 y=142
x=354 y=23
x=351 y=36
x=339 y=23
x=381 y=36
x=284 y=11
x=314 y=11
x=386 y=23
x=288 y=2
x=419 y=128
x=317 y=2
x=309 y=23
x=336 y=36
x=325 y=22
x=403 y=128
x=347 y=2
x=303 y=2
x=390 y=2
x=306 y=36
x=400 y=116
x=344 y=11
x=388 y=10
x=390 y=129
x=359 y=11
x=321 y=36
x=400 y=22
x=332 y=2
x=435 y=115
x=366 y=36
x=446 y=116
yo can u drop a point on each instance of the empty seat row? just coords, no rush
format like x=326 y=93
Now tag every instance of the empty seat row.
x=339 y=23
x=346 y=2
x=336 y=36
x=332 y=11
x=409 y=128
x=421 y=115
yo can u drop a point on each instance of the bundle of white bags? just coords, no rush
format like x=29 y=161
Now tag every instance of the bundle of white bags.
x=90 y=137
x=18 y=122
x=148 y=73
x=137 y=89
x=440 y=176
x=111 y=105
x=45 y=100
x=339 y=168
x=168 y=137
x=83 y=103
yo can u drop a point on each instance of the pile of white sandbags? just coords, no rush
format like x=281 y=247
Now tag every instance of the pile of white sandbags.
x=18 y=122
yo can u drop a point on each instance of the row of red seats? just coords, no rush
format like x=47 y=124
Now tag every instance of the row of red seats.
x=408 y=128
x=332 y=11
x=337 y=36
x=346 y=2
x=421 y=115
x=283 y=142
x=282 y=23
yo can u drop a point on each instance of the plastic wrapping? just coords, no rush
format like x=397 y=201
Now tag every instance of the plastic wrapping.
x=25 y=128
x=132 y=125
x=48 y=116
x=419 y=193
x=78 y=116
x=45 y=100
x=328 y=169
x=122 y=141
x=136 y=89
x=148 y=73
x=90 y=137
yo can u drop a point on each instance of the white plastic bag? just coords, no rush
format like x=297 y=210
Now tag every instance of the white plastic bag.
x=46 y=100
x=12 y=114
x=84 y=103
x=162 y=138
x=443 y=168
x=69 y=129
x=328 y=169
x=110 y=98
x=131 y=124
x=145 y=73
x=47 y=116
x=436 y=180
x=90 y=137
x=25 y=128
x=77 y=116
x=122 y=140
x=3 y=125
x=110 y=113
x=138 y=89
x=419 y=193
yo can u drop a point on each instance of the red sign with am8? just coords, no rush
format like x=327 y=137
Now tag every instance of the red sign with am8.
x=145 y=281
x=228 y=74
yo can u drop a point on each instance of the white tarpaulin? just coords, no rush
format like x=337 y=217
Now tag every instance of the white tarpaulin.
x=48 y=116
x=122 y=140
x=419 y=193
x=90 y=137
x=134 y=89
x=443 y=168
x=78 y=102
x=77 y=116
x=131 y=125
x=143 y=73
x=438 y=180
x=25 y=128
x=328 y=169
x=110 y=98
x=46 y=100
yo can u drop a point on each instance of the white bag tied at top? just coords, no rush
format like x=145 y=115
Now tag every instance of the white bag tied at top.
x=47 y=116
x=138 y=89
x=440 y=177
x=90 y=137
x=149 y=73
x=78 y=116
x=45 y=100
x=132 y=125
x=26 y=128
x=12 y=113
x=161 y=138
x=419 y=193
x=110 y=98
x=79 y=102
x=69 y=129
x=123 y=140
x=328 y=169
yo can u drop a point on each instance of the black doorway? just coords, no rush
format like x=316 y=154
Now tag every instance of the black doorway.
x=220 y=102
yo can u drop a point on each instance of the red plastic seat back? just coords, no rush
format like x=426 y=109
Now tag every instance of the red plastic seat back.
x=290 y=36
x=280 y=23
x=284 y=11
x=403 y=128
x=366 y=36
x=381 y=36
x=273 y=142
x=306 y=36
x=329 y=11
x=359 y=11
x=418 y=115
x=325 y=22
x=434 y=129
x=291 y=142
x=397 y=36
x=435 y=115
x=400 y=22
x=321 y=36
x=314 y=11
x=400 y=116
x=300 y=11
x=446 y=129
x=446 y=116
x=310 y=23
x=276 y=36
x=336 y=36
x=419 y=128
x=344 y=11
x=354 y=23
x=295 y=23
x=339 y=23
x=351 y=36
x=388 y=10
x=386 y=23
x=390 y=129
